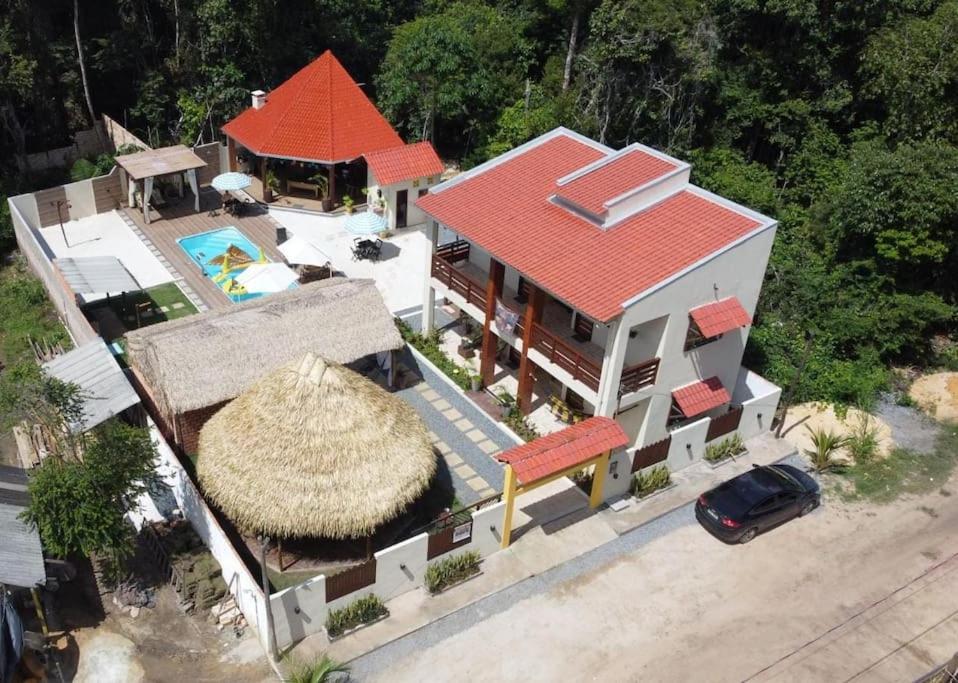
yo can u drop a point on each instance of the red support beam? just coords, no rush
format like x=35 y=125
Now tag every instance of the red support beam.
x=487 y=356
x=533 y=315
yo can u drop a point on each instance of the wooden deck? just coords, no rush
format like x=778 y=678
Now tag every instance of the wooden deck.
x=180 y=220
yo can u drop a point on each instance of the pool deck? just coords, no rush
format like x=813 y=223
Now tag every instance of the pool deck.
x=180 y=220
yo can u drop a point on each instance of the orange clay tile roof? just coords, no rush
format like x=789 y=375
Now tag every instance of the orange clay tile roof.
x=628 y=170
x=396 y=164
x=318 y=114
x=720 y=316
x=559 y=451
x=698 y=397
x=504 y=208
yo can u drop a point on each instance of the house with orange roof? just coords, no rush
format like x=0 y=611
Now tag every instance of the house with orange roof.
x=605 y=283
x=317 y=138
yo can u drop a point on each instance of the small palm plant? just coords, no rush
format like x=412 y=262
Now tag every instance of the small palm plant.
x=323 y=670
x=825 y=443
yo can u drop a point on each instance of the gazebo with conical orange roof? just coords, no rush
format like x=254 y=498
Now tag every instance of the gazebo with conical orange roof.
x=318 y=118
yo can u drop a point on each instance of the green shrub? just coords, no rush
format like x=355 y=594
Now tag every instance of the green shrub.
x=429 y=346
x=650 y=480
x=450 y=570
x=362 y=611
x=726 y=448
x=863 y=441
x=824 y=443
x=319 y=670
x=520 y=424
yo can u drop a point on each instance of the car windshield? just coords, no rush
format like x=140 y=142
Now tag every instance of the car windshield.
x=787 y=479
x=738 y=495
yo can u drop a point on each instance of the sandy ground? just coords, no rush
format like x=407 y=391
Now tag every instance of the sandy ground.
x=792 y=605
x=937 y=394
x=822 y=416
x=161 y=644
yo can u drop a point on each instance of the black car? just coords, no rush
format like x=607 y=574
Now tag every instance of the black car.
x=764 y=497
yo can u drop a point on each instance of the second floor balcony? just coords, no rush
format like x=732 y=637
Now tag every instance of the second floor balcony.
x=562 y=337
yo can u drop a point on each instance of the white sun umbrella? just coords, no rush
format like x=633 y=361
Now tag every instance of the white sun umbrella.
x=300 y=252
x=365 y=223
x=230 y=182
x=266 y=277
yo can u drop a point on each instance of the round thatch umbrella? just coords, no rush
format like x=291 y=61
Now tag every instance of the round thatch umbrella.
x=314 y=449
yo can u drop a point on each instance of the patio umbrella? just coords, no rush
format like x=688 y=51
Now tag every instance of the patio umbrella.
x=266 y=277
x=228 y=182
x=315 y=449
x=365 y=223
x=302 y=253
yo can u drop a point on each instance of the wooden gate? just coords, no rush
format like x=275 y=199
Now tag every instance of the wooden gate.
x=723 y=424
x=651 y=454
x=449 y=538
x=351 y=580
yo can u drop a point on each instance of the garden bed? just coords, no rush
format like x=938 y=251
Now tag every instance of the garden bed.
x=358 y=614
x=451 y=571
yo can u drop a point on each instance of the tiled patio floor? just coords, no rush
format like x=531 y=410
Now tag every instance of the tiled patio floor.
x=465 y=436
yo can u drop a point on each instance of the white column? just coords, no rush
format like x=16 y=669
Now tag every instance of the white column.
x=429 y=298
x=178 y=181
x=191 y=176
x=130 y=190
x=147 y=193
x=615 y=345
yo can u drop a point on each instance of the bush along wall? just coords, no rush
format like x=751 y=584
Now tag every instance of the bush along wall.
x=724 y=449
x=365 y=610
x=650 y=481
x=451 y=570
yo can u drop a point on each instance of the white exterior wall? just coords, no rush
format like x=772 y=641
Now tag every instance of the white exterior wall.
x=759 y=400
x=301 y=610
x=738 y=272
x=414 y=215
x=241 y=584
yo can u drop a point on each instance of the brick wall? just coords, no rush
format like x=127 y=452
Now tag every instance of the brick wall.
x=189 y=424
x=107 y=192
x=210 y=153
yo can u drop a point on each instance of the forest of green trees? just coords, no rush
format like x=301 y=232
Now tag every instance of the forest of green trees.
x=837 y=117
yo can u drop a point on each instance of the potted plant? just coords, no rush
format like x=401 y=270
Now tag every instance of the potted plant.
x=507 y=402
x=348 y=203
x=270 y=186
x=475 y=381
x=322 y=183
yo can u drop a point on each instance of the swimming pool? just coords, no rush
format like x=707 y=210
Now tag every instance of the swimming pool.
x=206 y=247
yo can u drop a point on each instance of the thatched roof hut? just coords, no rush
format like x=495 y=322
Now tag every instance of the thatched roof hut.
x=205 y=359
x=314 y=449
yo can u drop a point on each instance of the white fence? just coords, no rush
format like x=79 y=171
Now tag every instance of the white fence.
x=242 y=585
x=301 y=610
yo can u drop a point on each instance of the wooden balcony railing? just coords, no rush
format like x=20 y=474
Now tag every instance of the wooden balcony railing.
x=639 y=376
x=454 y=252
x=566 y=357
x=457 y=281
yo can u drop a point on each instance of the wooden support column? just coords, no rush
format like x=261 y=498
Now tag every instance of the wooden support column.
x=331 y=174
x=490 y=342
x=533 y=314
x=231 y=153
x=267 y=191
x=509 y=497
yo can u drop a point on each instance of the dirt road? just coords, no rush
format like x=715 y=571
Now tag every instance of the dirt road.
x=850 y=591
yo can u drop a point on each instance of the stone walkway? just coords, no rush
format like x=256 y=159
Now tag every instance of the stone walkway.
x=467 y=438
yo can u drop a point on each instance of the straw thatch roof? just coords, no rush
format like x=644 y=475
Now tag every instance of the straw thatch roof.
x=211 y=357
x=314 y=449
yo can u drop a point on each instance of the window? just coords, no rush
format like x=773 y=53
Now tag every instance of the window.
x=423 y=192
x=695 y=338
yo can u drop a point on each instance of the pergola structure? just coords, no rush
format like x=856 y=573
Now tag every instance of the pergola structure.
x=318 y=118
x=539 y=462
x=145 y=166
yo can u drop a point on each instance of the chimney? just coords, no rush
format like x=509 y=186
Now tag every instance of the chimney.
x=259 y=99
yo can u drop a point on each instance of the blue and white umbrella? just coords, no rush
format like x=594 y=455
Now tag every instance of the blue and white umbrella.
x=365 y=223
x=229 y=182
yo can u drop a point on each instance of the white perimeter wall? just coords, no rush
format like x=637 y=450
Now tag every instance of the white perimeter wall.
x=301 y=610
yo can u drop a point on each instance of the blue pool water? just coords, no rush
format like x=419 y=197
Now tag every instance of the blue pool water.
x=205 y=246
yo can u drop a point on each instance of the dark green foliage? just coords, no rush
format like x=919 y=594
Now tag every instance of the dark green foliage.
x=79 y=506
x=362 y=611
x=449 y=570
x=428 y=345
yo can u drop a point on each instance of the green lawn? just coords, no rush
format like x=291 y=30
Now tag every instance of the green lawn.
x=25 y=313
x=150 y=303
x=903 y=472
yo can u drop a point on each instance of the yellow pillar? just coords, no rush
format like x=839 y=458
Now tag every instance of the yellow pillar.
x=509 y=495
x=598 y=480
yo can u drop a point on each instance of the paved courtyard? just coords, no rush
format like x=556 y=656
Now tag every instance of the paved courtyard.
x=466 y=437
